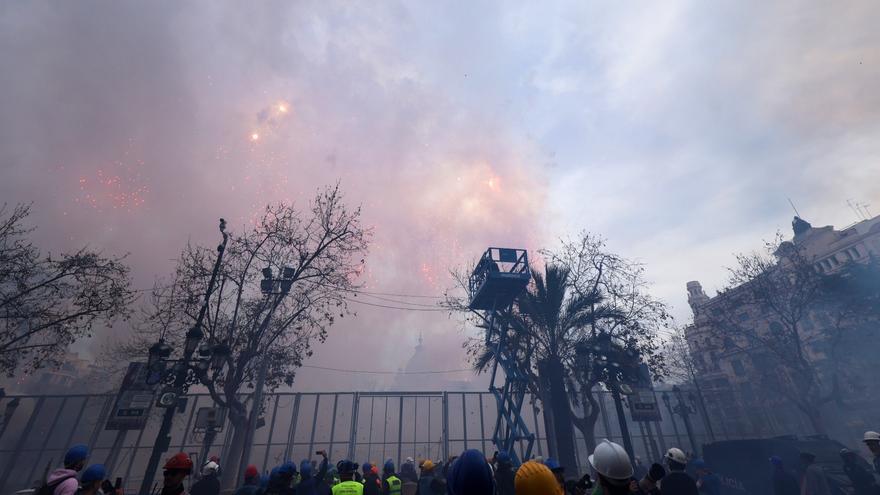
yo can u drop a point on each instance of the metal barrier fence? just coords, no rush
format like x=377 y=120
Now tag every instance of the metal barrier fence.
x=360 y=425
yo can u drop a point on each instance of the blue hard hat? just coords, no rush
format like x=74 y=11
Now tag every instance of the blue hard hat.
x=76 y=454
x=366 y=467
x=470 y=473
x=698 y=464
x=389 y=466
x=95 y=472
x=287 y=469
x=552 y=464
x=503 y=458
x=305 y=468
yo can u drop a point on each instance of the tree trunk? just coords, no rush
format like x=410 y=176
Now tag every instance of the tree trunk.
x=561 y=412
x=546 y=406
x=232 y=455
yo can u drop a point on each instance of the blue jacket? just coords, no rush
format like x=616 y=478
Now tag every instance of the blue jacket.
x=309 y=484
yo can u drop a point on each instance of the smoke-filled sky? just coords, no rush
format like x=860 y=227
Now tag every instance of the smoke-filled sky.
x=675 y=129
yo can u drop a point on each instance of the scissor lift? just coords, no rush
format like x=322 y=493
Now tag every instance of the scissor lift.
x=500 y=276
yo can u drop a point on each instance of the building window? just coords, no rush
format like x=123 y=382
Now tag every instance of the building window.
x=738 y=367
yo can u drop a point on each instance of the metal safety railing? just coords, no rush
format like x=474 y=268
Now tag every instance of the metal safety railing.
x=364 y=426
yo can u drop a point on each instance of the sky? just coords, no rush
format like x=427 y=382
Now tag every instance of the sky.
x=677 y=130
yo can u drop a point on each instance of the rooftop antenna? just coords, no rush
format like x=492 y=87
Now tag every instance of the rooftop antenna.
x=855 y=208
x=793 y=207
x=864 y=207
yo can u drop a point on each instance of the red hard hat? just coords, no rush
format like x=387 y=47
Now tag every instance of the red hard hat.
x=179 y=461
x=251 y=472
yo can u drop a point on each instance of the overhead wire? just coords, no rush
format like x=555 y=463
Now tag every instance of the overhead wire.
x=383 y=372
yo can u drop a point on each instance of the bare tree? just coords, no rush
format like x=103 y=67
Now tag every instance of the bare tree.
x=780 y=308
x=49 y=301
x=314 y=255
x=622 y=308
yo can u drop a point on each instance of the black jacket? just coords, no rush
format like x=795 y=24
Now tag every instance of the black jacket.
x=209 y=485
x=504 y=480
x=784 y=483
x=678 y=483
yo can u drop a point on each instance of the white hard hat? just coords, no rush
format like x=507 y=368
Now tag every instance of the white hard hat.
x=211 y=466
x=611 y=461
x=676 y=455
x=871 y=436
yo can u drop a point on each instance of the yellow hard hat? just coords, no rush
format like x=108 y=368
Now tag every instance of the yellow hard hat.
x=534 y=478
x=428 y=465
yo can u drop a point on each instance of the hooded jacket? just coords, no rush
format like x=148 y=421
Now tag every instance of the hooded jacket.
x=308 y=485
x=66 y=487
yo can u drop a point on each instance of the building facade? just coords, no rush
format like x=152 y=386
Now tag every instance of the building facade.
x=733 y=378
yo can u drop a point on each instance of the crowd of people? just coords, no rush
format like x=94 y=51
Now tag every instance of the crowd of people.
x=471 y=473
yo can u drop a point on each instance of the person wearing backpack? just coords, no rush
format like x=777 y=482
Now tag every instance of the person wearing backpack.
x=91 y=479
x=62 y=481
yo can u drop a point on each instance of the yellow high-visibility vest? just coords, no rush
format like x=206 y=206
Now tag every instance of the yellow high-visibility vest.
x=348 y=488
x=394 y=485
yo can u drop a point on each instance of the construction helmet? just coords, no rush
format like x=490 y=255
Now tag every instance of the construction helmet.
x=179 y=461
x=676 y=455
x=534 y=478
x=210 y=467
x=871 y=436
x=611 y=461
x=427 y=465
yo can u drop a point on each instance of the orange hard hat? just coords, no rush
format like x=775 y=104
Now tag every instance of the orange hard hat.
x=179 y=461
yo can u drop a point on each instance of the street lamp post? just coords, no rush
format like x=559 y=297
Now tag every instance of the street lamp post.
x=169 y=398
x=668 y=404
x=685 y=410
x=270 y=286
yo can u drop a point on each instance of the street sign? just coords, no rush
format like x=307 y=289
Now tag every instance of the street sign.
x=643 y=406
x=133 y=401
x=211 y=418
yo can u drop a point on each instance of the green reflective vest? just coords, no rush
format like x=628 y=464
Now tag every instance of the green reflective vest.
x=348 y=488
x=394 y=485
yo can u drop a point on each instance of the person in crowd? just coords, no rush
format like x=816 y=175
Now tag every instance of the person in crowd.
x=708 y=483
x=860 y=477
x=469 y=474
x=280 y=479
x=209 y=484
x=325 y=486
x=308 y=484
x=175 y=471
x=251 y=481
x=391 y=484
x=347 y=484
x=91 y=480
x=372 y=484
x=649 y=483
x=504 y=474
x=872 y=441
x=427 y=478
x=783 y=482
x=62 y=481
x=534 y=478
x=813 y=479
x=613 y=468
x=408 y=471
x=677 y=481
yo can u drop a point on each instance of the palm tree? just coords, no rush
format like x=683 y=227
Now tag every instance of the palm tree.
x=548 y=321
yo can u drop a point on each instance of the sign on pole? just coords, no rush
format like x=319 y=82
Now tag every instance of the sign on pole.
x=643 y=401
x=133 y=401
